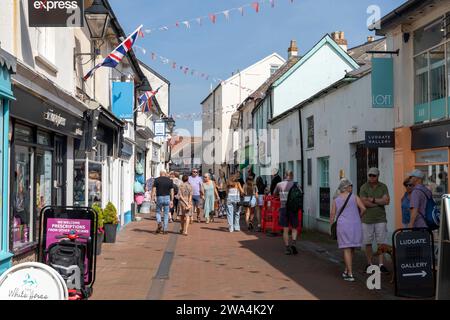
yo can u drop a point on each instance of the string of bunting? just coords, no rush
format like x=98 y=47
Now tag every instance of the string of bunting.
x=188 y=70
x=198 y=115
x=213 y=17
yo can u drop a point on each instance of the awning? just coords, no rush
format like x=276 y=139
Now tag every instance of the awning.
x=8 y=61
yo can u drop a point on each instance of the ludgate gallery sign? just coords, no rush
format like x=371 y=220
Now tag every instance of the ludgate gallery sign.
x=56 y=13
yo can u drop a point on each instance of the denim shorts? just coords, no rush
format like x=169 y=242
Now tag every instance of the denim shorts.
x=196 y=201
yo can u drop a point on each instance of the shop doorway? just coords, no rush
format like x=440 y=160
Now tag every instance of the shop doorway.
x=60 y=171
x=365 y=159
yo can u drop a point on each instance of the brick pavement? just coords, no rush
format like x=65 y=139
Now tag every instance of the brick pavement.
x=213 y=264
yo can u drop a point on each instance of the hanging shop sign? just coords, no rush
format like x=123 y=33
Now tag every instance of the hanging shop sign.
x=32 y=281
x=160 y=129
x=414 y=263
x=56 y=13
x=382 y=82
x=123 y=99
x=380 y=139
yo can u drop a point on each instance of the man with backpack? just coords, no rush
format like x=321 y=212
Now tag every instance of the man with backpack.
x=290 y=196
x=419 y=199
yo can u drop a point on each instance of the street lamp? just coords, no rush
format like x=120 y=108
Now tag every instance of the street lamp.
x=170 y=123
x=97 y=19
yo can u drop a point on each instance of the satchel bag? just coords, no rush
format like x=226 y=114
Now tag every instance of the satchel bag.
x=334 y=225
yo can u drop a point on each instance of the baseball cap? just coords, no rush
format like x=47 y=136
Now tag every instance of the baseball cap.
x=417 y=174
x=374 y=171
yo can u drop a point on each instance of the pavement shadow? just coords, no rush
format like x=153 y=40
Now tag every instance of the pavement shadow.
x=220 y=229
x=317 y=264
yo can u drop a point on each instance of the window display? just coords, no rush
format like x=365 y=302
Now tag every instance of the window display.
x=43 y=180
x=95 y=183
x=22 y=206
x=79 y=183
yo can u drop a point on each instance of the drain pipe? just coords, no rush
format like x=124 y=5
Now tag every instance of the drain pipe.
x=302 y=177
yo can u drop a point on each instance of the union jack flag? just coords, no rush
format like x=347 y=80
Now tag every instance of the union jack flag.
x=115 y=57
x=145 y=100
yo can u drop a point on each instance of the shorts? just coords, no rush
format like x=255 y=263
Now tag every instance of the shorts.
x=374 y=232
x=260 y=200
x=288 y=219
x=222 y=195
x=196 y=201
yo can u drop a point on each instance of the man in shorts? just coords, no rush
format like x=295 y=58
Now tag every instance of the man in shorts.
x=287 y=218
x=196 y=183
x=375 y=196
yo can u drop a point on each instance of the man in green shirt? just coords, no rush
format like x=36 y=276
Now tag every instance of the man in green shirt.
x=375 y=196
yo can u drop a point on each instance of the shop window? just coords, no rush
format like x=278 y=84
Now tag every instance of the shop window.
x=22 y=201
x=434 y=164
x=95 y=184
x=44 y=139
x=23 y=133
x=43 y=180
x=46 y=43
x=79 y=183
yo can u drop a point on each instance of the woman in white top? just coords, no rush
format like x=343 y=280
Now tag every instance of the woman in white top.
x=234 y=191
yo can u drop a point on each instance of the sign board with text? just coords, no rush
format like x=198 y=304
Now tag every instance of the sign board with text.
x=56 y=13
x=160 y=129
x=414 y=263
x=382 y=82
x=380 y=139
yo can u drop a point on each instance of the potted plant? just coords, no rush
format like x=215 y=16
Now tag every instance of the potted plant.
x=110 y=223
x=100 y=230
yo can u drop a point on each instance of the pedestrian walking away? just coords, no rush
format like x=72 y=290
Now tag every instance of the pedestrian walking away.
x=196 y=183
x=419 y=198
x=234 y=197
x=375 y=197
x=185 y=204
x=276 y=179
x=222 y=191
x=347 y=209
x=175 y=177
x=209 y=196
x=287 y=218
x=261 y=186
x=163 y=192
x=250 y=201
x=406 y=203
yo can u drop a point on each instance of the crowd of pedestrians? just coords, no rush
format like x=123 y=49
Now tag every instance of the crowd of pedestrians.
x=361 y=220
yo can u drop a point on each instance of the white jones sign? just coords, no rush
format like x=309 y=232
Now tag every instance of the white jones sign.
x=32 y=281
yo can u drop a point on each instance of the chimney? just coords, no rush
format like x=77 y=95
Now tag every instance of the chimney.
x=293 y=50
x=370 y=39
x=339 y=38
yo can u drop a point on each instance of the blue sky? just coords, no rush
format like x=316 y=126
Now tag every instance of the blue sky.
x=227 y=46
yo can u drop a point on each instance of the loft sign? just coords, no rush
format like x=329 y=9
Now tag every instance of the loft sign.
x=54 y=118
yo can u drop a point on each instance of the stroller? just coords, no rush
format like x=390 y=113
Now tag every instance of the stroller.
x=72 y=254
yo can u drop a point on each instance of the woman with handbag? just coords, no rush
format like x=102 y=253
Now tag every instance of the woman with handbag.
x=347 y=228
x=249 y=203
x=209 y=195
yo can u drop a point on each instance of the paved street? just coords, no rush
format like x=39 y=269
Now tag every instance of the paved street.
x=213 y=264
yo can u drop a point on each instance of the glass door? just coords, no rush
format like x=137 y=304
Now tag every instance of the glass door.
x=60 y=180
x=43 y=180
x=22 y=201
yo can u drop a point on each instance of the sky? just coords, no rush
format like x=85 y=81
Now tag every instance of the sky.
x=230 y=45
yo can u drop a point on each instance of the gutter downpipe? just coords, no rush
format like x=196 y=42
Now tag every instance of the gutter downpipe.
x=302 y=184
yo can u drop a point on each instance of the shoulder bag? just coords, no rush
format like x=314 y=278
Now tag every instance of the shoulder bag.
x=334 y=225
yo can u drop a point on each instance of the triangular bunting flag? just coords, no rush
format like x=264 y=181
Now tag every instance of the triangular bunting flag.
x=255 y=6
x=212 y=17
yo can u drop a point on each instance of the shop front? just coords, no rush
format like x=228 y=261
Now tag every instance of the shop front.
x=7 y=67
x=38 y=172
x=94 y=157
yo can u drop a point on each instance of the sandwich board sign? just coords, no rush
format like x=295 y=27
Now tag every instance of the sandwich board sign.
x=32 y=281
x=414 y=263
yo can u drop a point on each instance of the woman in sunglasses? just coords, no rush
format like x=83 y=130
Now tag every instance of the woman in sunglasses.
x=406 y=205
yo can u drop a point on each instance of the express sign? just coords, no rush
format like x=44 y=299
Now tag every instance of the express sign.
x=55 y=13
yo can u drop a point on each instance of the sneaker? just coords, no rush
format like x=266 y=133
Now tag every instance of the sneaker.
x=288 y=251
x=383 y=269
x=344 y=275
x=294 y=249
x=349 y=277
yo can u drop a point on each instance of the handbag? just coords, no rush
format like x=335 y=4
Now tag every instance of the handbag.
x=334 y=225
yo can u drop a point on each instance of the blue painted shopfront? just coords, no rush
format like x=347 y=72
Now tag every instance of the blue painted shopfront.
x=7 y=67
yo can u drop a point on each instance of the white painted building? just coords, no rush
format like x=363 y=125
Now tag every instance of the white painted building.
x=333 y=124
x=219 y=106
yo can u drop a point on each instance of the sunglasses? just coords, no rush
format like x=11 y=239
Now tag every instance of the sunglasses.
x=372 y=176
x=410 y=185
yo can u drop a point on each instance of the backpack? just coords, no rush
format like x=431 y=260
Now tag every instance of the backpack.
x=67 y=258
x=294 y=199
x=432 y=215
